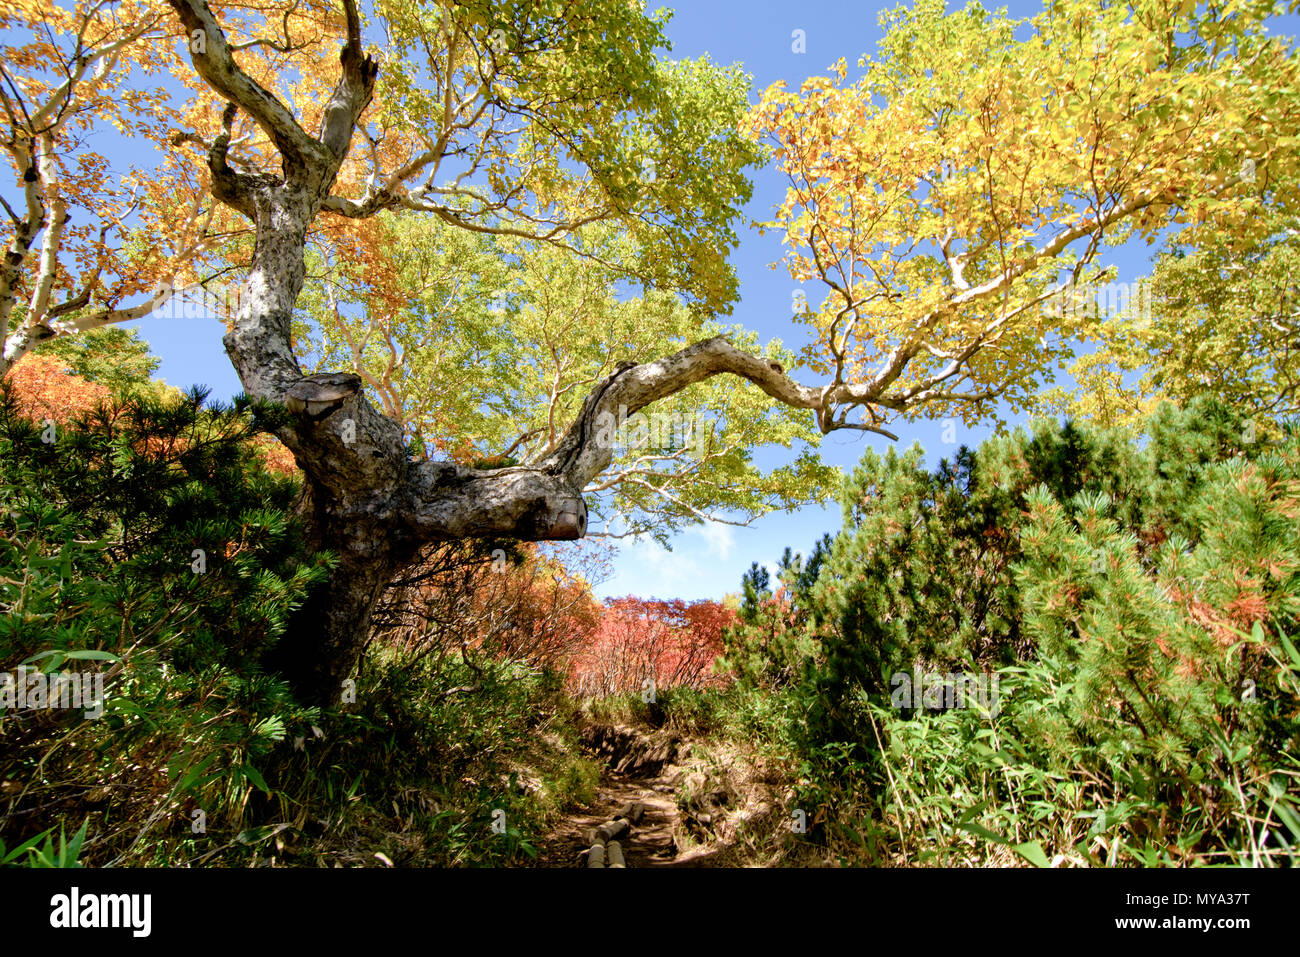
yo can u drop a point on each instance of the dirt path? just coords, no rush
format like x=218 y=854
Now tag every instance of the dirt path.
x=651 y=842
x=646 y=776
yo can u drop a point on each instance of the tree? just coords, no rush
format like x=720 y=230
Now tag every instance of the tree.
x=88 y=236
x=640 y=646
x=952 y=198
x=1218 y=318
x=90 y=531
x=1134 y=602
x=516 y=97
x=481 y=347
x=536 y=120
x=44 y=390
x=490 y=600
x=115 y=357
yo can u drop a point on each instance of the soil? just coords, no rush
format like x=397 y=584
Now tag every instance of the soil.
x=641 y=770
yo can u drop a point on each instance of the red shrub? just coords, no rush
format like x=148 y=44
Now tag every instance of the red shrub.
x=669 y=643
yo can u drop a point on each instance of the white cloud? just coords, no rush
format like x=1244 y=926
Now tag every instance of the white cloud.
x=662 y=570
x=721 y=539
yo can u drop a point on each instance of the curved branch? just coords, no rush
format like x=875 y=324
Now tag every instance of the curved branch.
x=583 y=454
x=215 y=64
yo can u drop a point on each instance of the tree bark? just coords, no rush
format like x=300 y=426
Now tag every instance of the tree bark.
x=367 y=502
x=327 y=636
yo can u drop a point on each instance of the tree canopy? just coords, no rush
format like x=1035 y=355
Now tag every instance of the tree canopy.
x=972 y=175
x=509 y=224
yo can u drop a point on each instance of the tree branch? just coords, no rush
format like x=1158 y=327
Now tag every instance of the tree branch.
x=214 y=63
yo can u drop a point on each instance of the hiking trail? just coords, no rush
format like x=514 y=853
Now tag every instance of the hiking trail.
x=640 y=771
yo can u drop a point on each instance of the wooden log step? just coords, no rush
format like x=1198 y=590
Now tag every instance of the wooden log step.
x=596 y=856
x=613 y=829
x=615 y=852
x=631 y=812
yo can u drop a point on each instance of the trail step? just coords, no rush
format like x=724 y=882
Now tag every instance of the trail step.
x=605 y=849
x=631 y=812
x=613 y=829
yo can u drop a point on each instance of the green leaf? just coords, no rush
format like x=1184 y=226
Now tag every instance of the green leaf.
x=1032 y=851
x=256 y=835
x=17 y=852
x=1289 y=818
x=1290 y=649
x=253 y=775
x=981 y=831
x=192 y=775
x=70 y=852
x=89 y=655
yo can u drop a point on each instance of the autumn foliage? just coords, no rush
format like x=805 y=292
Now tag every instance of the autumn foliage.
x=530 y=607
x=637 y=641
x=478 y=602
x=275 y=456
x=44 y=389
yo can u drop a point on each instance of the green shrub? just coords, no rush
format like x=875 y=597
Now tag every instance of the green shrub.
x=146 y=547
x=1136 y=606
x=149 y=545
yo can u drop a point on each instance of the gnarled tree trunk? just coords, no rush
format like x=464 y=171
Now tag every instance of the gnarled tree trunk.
x=369 y=503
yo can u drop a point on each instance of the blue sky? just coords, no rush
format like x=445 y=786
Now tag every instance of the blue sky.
x=708 y=561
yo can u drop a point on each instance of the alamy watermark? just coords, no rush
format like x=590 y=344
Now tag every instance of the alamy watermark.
x=940 y=692
x=665 y=431
x=29 y=689
x=195 y=301
x=76 y=910
x=1130 y=300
